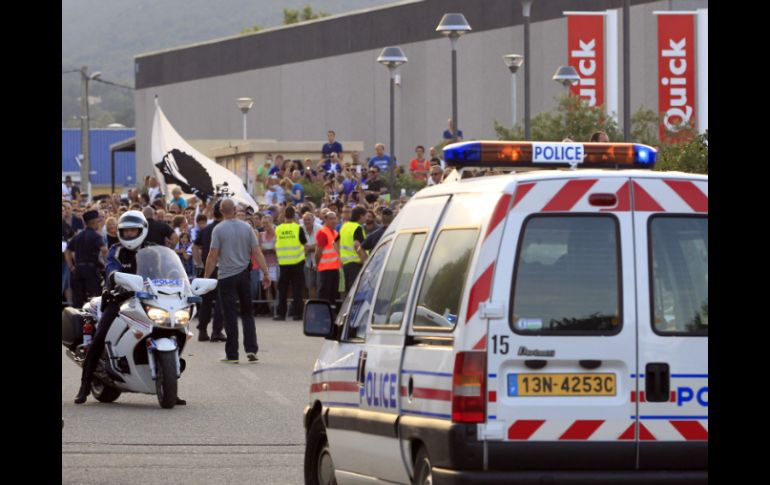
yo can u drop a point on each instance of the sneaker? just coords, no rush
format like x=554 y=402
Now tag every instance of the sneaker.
x=203 y=337
x=228 y=361
x=251 y=358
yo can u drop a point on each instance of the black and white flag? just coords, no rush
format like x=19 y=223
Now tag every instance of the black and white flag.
x=178 y=163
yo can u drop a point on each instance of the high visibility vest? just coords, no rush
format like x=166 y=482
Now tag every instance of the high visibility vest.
x=348 y=252
x=287 y=246
x=329 y=257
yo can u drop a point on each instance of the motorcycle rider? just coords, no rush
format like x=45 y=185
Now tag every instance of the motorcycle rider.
x=132 y=232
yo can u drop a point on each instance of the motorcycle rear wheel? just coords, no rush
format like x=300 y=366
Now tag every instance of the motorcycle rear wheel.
x=103 y=392
x=166 y=382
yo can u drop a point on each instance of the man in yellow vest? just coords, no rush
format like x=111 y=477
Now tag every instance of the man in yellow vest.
x=327 y=259
x=352 y=235
x=290 y=248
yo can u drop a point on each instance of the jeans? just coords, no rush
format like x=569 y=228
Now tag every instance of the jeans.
x=65 y=277
x=238 y=287
x=294 y=275
x=351 y=271
x=207 y=306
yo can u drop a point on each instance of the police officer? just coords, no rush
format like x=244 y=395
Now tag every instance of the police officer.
x=82 y=256
x=290 y=243
x=352 y=235
x=132 y=232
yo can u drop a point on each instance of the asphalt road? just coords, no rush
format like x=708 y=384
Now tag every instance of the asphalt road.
x=242 y=423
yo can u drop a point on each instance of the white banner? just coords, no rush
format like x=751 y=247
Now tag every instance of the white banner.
x=178 y=163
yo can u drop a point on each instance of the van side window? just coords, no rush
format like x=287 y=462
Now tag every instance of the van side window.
x=680 y=275
x=397 y=279
x=442 y=289
x=567 y=276
x=363 y=293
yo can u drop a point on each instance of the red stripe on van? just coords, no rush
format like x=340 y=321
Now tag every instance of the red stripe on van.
x=524 y=428
x=434 y=394
x=499 y=213
x=569 y=195
x=691 y=430
x=521 y=191
x=481 y=344
x=643 y=202
x=330 y=386
x=691 y=194
x=673 y=396
x=581 y=429
x=480 y=291
x=644 y=433
x=629 y=433
x=624 y=199
x=492 y=396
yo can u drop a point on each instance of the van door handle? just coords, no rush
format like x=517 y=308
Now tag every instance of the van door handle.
x=361 y=375
x=590 y=364
x=535 y=363
x=657 y=382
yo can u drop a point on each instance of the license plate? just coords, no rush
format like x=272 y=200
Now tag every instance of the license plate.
x=524 y=385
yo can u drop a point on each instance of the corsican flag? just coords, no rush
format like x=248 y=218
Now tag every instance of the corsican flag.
x=178 y=163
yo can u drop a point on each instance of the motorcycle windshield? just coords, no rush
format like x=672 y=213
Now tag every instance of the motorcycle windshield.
x=162 y=267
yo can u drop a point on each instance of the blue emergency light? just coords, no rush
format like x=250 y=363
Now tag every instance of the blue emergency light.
x=511 y=154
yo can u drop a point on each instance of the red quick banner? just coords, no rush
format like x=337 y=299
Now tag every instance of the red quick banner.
x=676 y=71
x=585 y=52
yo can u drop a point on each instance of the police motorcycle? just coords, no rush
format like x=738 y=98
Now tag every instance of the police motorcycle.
x=143 y=346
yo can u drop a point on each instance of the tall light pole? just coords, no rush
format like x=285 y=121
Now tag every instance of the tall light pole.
x=513 y=62
x=245 y=105
x=526 y=5
x=566 y=76
x=85 y=127
x=392 y=57
x=627 y=70
x=453 y=25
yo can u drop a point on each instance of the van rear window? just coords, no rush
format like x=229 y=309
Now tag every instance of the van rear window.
x=680 y=274
x=567 y=276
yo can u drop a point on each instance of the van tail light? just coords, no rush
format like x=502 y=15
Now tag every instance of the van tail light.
x=469 y=403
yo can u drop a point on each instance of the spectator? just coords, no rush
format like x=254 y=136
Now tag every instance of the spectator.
x=297 y=192
x=159 y=232
x=153 y=191
x=332 y=164
x=66 y=234
x=184 y=250
x=370 y=222
x=374 y=237
x=436 y=175
x=434 y=153
x=450 y=133
x=178 y=200
x=381 y=160
x=289 y=247
x=373 y=186
x=286 y=185
x=111 y=232
x=67 y=189
x=200 y=224
x=73 y=221
x=332 y=146
x=351 y=254
x=179 y=225
x=278 y=166
x=201 y=248
x=262 y=174
x=419 y=166
x=599 y=137
x=327 y=259
x=233 y=243
x=310 y=228
x=267 y=242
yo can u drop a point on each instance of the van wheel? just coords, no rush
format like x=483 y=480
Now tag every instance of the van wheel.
x=423 y=469
x=103 y=392
x=319 y=466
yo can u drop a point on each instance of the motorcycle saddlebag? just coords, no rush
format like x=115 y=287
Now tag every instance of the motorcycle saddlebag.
x=72 y=321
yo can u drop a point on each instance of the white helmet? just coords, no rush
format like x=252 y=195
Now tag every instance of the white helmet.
x=132 y=220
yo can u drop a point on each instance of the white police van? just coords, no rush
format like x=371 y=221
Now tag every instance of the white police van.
x=539 y=327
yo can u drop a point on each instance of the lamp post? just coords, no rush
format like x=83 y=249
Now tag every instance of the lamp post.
x=392 y=57
x=513 y=62
x=85 y=127
x=453 y=25
x=245 y=105
x=526 y=5
x=566 y=76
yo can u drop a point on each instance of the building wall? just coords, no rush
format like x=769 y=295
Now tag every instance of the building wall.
x=350 y=92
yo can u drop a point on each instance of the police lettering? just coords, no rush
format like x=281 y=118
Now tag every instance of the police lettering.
x=380 y=390
x=557 y=153
x=687 y=394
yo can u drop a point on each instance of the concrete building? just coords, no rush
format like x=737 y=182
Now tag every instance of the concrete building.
x=323 y=74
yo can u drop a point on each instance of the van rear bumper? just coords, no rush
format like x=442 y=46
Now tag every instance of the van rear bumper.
x=443 y=476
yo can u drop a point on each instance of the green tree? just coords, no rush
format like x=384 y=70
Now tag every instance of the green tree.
x=295 y=16
x=252 y=29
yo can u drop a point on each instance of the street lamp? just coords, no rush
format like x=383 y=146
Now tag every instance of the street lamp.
x=392 y=57
x=513 y=62
x=526 y=5
x=566 y=76
x=453 y=25
x=245 y=105
x=85 y=127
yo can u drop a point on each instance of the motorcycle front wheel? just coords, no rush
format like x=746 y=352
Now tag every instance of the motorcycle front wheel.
x=166 y=382
x=103 y=392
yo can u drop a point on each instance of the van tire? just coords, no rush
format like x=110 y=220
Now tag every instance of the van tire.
x=319 y=466
x=423 y=474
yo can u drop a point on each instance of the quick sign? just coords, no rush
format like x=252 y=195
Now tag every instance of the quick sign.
x=557 y=152
x=585 y=52
x=676 y=71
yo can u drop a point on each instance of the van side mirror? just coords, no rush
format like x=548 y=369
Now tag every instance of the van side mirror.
x=318 y=321
x=131 y=282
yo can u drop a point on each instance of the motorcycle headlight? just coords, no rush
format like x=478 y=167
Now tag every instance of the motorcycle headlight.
x=182 y=317
x=157 y=315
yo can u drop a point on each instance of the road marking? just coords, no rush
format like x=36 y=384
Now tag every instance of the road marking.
x=278 y=397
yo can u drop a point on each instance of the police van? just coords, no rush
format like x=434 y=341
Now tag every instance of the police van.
x=544 y=326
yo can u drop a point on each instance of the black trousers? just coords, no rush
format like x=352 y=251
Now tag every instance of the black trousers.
x=329 y=285
x=207 y=307
x=85 y=284
x=351 y=271
x=291 y=275
x=97 y=344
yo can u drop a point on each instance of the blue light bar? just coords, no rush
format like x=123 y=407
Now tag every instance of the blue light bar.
x=463 y=152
